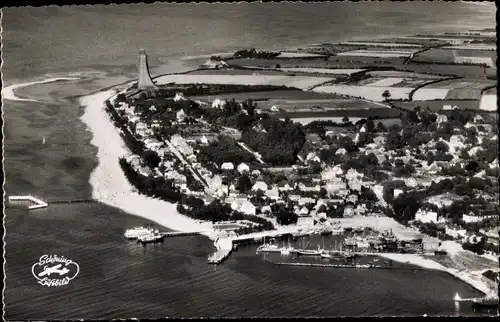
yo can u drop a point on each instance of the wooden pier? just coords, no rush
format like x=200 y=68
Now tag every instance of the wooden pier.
x=179 y=233
x=37 y=202
x=67 y=201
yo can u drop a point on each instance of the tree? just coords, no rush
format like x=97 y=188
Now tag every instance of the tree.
x=370 y=126
x=345 y=119
x=244 y=183
x=381 y=127
x=442 y=147
x=151 y=158
x=322 y=193
x=386 y=95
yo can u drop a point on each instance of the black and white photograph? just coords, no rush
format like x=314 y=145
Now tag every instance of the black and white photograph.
x=250 y=160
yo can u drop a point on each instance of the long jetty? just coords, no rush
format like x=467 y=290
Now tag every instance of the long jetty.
x=180 y=233
x=38 y=203
x=342 y=266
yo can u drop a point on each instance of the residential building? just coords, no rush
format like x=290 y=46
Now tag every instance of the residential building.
x=348 y=211
x=426 y=216
x=242 y=167
x=260 y=185
x=227 y=166
x=471 y=217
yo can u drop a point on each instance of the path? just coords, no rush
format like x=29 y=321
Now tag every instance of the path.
x=181 y=158
x=256 y=155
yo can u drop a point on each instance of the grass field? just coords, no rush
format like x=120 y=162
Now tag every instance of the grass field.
x=463 y=94
x=488 y=102
x=479 y=46
x=394 y=73
x=268 y=95
x=331 y=105
x=378 y=53
x=463 y=83
x=362 y=113
x=436 y=55
x=437 y=105
x=381 y=44
x=367 y=92
x=423 y=94
x=301 y=82
x=334 y=71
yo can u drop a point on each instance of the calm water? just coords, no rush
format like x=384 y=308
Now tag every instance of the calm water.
x=122 y=279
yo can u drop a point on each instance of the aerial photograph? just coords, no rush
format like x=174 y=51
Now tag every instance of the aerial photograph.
x=250 y=159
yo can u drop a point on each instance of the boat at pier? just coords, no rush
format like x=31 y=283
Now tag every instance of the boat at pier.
x=310 y=252
x=150 y=238
x=326 y=231
x=135 y=232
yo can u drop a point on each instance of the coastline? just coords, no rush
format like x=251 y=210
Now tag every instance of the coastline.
x=110 y=186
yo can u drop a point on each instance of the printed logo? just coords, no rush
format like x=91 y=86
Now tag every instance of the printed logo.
x=53 y=270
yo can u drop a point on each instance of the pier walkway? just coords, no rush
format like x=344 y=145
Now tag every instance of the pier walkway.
x=38 y=203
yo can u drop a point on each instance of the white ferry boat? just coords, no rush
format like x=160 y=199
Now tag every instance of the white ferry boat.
x=135 y=232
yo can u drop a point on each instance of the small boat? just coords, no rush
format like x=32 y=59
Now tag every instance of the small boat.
x=326 y=254
x=310 y=252
x=326 y=231
x=43 y=140
x=235 y=247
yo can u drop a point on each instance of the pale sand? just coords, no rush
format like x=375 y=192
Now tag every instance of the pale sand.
x=8 y=92
x=110 y=186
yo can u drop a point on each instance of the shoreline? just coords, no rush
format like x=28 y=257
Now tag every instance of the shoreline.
x=110 y=186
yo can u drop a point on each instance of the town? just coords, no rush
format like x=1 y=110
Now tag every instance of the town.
x=398 y=135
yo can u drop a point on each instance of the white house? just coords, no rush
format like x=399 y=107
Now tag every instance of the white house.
x=478 y=118
x=255 y=172
x=242 y=167
x=266 y=209
x=304 y=211
x=397 y=192
x=455 y=231
x=310 y=156
x=179 y=97
x=204 y=140
x=352 y=198
x=348 y=211
x=426 y=216
x=217 y=103
x=331 y=173
x=274 y=108
x=140 y=128
x=471 y=217
x=272 y=193
x=227 y=166
x=441 y=118
x=341 y=151
x=247 y=208
x=180 y=115
x=260 y=185
x=353 y=175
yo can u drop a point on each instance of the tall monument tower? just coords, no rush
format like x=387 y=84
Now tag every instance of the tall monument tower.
x=145 y=81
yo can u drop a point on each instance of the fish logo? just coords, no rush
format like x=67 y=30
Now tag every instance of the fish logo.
x=53 y=270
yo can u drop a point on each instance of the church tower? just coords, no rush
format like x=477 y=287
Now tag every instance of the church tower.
x=145 y=82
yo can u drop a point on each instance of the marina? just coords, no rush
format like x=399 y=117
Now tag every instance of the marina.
x=359 y=266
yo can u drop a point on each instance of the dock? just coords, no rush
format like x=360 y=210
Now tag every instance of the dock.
x=224 y=248
x=38 y=203
x=179 y=233
x=365 y=266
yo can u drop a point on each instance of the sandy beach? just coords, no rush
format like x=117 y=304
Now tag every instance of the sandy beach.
x=110 y=186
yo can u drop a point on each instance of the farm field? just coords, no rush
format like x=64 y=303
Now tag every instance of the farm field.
x=331 y=105
x=347 y=61
x=298 y=55
x=301 y=82
x=334 y=71
x=268 y=95
x=229 y=71
x=491 y=47
x=488 y=102
x=394 y=73
x=378 y=53
x=423 y=94
x=463 y=83
x=437 y=105
x=373 y=93
x=361 y=113
x=436 y=55
x=380 y=44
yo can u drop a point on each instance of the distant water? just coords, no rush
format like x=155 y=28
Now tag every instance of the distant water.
x=121 y=279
